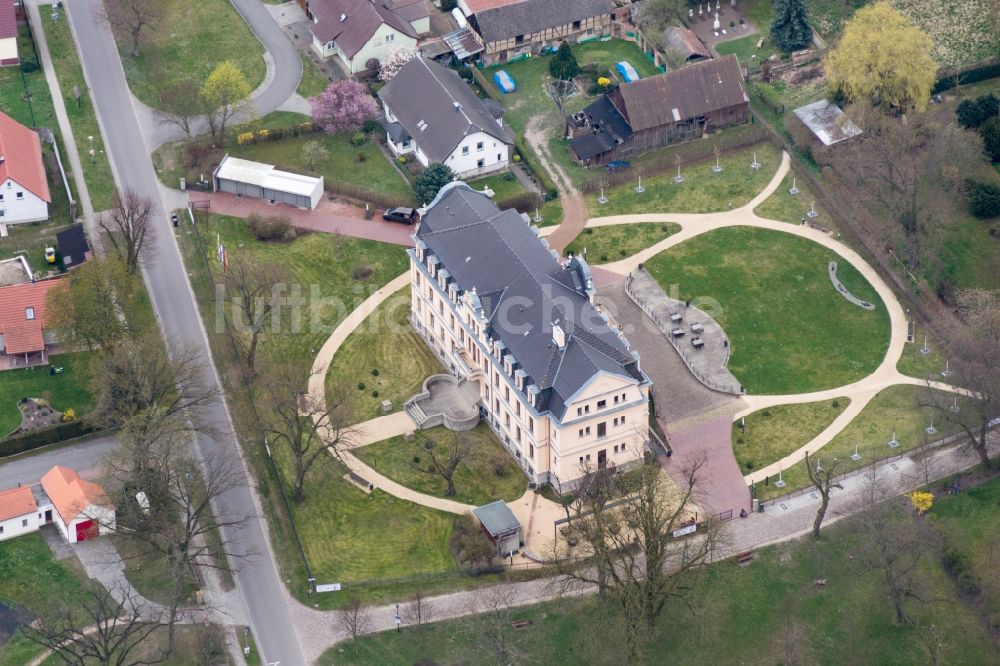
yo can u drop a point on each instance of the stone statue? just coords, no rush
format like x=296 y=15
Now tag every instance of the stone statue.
x=690 y=13
x=715 y=24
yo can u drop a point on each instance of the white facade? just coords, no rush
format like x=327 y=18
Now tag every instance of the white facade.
x=605 y=423
x=103 y=516
x=382 y=42
x=18 y=525
x=19 y=205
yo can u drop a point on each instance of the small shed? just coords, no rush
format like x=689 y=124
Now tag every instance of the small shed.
x=827 y=122
x=264 y=181
x=73 y=246
x=501 y=526
x=83 y=510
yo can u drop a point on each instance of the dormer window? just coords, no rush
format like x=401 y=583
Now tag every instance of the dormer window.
x=29 y=313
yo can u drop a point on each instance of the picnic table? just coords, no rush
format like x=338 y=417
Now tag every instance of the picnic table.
x=678 y=332
x=697 y=328
x=676 y=317
x=697 y=343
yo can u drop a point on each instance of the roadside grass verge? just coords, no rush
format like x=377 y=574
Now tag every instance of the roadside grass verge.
x=789 y=328
x=487 y=475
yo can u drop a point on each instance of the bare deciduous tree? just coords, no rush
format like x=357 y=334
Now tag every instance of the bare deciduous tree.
x=136 y=18
x=894 y=545
x=972 y=341
x=305 y=426
x=416 y=610
x=182 y=105
x=97 y=628
x=138 y=375
x=629 y=549
x=445 y=462
x=251 y=288
x=129 y=227
x=822 y=478
x=355 y=619
x=97 y=305
x=491 y=623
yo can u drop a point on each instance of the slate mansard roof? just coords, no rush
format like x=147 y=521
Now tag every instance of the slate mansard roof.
x=524 y=292
x=437 y=109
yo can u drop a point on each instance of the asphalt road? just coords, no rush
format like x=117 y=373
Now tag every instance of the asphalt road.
x=85 y=457
x=287 y=63
x=174 y=304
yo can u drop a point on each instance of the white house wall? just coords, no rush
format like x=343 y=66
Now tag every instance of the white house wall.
x=15 y=527
x=494 y=153
x=383 y=42
x=27 y=208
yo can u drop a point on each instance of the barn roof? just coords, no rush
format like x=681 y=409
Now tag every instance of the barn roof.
x=685 y=42
x=528 y=16
x=688 y=92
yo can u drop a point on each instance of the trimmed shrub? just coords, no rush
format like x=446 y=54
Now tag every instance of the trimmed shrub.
x=990 y=132
x=43 y=437
x=270 y=228
x=358 y=139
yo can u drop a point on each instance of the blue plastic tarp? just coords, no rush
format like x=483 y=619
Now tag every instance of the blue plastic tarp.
x=504 y=82
x=627 y=71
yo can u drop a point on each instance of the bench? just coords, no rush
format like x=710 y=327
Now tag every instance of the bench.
x=676 y=317
x=697 y=343
x=744 y=558
x=520 y=624
x=360 y=482
x=677 y=332
x=697 y=328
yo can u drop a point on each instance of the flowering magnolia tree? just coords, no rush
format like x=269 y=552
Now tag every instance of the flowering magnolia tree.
x=343 y=107
x=395 y=61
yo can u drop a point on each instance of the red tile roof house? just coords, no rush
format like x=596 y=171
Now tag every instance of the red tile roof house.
x=24 y=190
x=356 y=31
x=82 y=508
x=18 y=512
x=24 y=340
x=8 y=35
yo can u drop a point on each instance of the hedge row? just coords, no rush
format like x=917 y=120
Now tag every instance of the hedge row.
x=43 y=437
x=978 y=72
x=522 y=203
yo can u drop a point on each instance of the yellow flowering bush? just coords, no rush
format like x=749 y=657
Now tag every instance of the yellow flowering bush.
x=921 y=501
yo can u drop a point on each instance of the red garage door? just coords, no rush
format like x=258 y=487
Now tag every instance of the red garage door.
x=86 y=530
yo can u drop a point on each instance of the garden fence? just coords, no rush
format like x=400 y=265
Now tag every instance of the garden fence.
x=696 y=150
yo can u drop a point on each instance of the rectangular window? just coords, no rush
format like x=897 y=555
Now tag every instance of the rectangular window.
x=601 y=404
x=480 y=163
x=602 y=429
x=506 y=419
x=616 y=400
x=29 y=313
x=517 y=408
x=517 y=434
x=24 y=522
x=579 y=411
x=623 y=418
x=616 y=448
x=496 y=378
x=531 y=425
x=479 y=146
x=586 y=409
x=390 y=37
x=506 y=393
x=579 y=433
x=519 y=39
x=20 y=195
x=616 y=421
x=531 y=451
x=586 y=431
x=576 y=25
x=465 y=150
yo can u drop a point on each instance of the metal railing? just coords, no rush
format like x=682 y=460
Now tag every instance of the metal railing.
x=666 y=331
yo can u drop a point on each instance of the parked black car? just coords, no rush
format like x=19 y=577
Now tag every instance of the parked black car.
x=404 y=215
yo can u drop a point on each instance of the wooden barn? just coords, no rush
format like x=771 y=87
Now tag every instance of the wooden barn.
x=668 y=108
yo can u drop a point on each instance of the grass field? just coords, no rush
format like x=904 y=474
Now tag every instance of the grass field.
x=702 y=190
x=32 y=578
x=476 y=480
x=69 y=389
x=504 y=186
x=552 y=213
x=895 y=408
x=313 y=80
x=385 y=344
x=746 y=49
x=789 y=329
x=771 y=434
x=351 y=536
x=322 y=267
x=82 y=117
x=599 y=245
x=790 y=208
x=363 y=166
x=187 y=42
x=758 y=614
x=16 y=89
x=922 y=366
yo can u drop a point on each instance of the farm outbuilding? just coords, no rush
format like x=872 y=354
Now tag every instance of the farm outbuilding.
x=501 y=526
x=264 y=181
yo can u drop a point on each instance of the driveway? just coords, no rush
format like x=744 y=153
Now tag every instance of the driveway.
x=85 y=457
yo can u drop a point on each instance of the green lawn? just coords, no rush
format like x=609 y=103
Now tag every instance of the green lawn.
x=322 y=267
x=746 y=49
x=313 y=80
x=601 y=245
x=702 y=190
x=14 y=100
x=363 y=167
x=386 y=356
x=740 y=615
x=915 y=364
x=82 y=118
x=552 y=213
x=771 y=434
x=31 y=577
x=791 y=208
x=504 y=186
x=897 y=407
x=789 y=328
x=189 y=40
x=350 y=536
x=968 y=254
x=69 y=389
x=476 y=480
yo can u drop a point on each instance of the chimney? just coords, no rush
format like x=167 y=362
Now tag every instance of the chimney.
x=343 y=17
x=558 y=336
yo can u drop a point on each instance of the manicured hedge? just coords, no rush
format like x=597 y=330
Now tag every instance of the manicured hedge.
x=43 y=437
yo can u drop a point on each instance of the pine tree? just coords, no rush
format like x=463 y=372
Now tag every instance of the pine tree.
x=563 y=65
x=790 y=30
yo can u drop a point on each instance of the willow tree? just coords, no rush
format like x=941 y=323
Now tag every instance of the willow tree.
x=883 y=57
